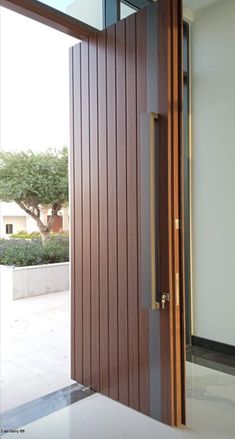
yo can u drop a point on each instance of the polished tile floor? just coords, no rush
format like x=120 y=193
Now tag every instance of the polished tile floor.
x=210 y=402
x=35 y=354
x=35 y=347
x=210 y=415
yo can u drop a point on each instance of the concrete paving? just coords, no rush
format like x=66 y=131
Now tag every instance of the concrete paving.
x=35 y=347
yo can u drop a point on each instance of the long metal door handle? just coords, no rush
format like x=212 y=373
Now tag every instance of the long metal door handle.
x=153 y=211
x=148 y=212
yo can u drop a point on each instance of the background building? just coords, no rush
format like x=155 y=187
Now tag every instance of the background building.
x=13 y=220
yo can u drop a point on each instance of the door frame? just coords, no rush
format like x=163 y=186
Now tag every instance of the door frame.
x=173 y=325
x=173 y=328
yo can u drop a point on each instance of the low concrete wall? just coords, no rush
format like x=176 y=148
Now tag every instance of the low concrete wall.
x=20 y=282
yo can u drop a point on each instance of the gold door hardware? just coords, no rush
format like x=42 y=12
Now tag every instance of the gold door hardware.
x=153 y=117
x=177 y=224
x=177 y=288
x=164 y=299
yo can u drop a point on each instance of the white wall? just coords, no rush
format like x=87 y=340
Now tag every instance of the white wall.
x=213 y=171
x=11 y=209
x=19 y=223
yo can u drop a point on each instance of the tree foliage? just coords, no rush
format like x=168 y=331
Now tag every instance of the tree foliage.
x=35 y=181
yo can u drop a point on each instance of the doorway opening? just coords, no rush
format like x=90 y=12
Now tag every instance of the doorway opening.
x=35 y=290
x=209 y=158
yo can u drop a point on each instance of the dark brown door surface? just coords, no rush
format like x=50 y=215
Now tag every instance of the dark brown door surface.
x=125 y=125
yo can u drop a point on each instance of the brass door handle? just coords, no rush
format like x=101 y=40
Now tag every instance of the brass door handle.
x=149 y=219
x=153 y=117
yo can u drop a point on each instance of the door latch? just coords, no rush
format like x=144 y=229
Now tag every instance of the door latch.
x=164 y=298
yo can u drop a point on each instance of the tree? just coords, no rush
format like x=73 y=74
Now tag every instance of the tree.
x=36 y=181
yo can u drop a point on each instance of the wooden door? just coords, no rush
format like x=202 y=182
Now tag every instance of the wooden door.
x=125 y=100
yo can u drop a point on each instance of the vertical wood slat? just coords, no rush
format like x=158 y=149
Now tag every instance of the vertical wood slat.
x=141 y=108
x=111 y=334
x=179 y=335
x=133 y=304
x=112 y=211
x=95 y=317
x=122 y=214
x=114 y=332
x=164 y=246
x=72 y=205
x=170 y=26
x=77 y=221
x=103 y=220
x=86 y=232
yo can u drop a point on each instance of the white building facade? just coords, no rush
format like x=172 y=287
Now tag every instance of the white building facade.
x=13 y=220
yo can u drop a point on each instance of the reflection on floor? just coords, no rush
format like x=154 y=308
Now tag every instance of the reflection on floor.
x=210 y=401
x=214 y=360
x=35 y=347
x=44 y=406
x=210 y=407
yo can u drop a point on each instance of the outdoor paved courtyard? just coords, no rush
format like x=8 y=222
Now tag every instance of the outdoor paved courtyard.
x=35 y=347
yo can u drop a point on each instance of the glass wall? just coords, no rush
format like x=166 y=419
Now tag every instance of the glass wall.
x=209 y=133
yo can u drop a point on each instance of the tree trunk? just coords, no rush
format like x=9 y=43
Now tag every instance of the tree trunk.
x=44 y=235
x=44 y=229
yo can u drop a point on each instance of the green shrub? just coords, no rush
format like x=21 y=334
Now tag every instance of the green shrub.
x=24 y=235
x=56 y=249
x=23 y=252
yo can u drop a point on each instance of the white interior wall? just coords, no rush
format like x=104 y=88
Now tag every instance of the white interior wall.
x=213 y=171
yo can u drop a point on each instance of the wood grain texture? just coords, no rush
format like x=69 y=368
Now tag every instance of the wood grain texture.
x=72 y=205
x=114 y=325
x=132 y=235
x=141 y=82
x=179 y=339
x=94 y=206
x=103 y=214
x=110 y=325
x=112 y=211
x=122 y=214
x=86 y=231
x=170 y=70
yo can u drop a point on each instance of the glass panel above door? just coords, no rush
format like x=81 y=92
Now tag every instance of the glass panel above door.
x=126 y=10
x=88 y=11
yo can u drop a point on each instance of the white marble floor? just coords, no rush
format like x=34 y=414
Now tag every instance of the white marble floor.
x=210 y=402
x=35 y=362
x=35 y=347
x=98 y=417
x=210 y=413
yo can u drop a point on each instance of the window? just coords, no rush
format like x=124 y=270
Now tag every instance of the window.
x=9 y=229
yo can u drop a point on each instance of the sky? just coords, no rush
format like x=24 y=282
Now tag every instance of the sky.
x=34 y=84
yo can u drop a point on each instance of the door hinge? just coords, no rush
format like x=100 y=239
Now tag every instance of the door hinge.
x=177 y=289
x=177 y=224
